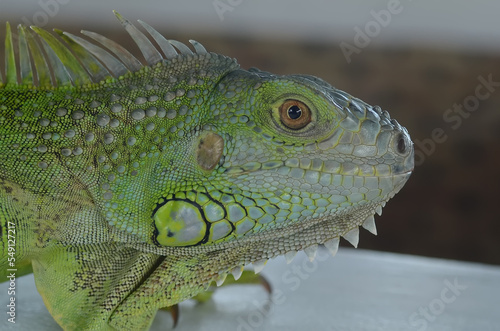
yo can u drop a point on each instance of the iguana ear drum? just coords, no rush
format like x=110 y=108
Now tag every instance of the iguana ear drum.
x=209 y=150
x=179 y=223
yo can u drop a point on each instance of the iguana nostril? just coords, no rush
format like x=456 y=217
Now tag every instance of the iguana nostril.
x=401 y=144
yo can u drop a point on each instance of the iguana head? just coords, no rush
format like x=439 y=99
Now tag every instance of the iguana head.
x=287 y=163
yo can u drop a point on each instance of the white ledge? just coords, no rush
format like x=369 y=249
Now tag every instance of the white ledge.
x=355 y=290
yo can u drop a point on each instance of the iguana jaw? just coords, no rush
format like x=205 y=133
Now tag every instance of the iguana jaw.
x=218 y=260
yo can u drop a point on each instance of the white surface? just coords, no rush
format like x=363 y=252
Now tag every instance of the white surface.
x=465 y=25
x=356 y=290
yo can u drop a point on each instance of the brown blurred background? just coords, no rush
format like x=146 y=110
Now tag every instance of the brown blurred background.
x=448 y=208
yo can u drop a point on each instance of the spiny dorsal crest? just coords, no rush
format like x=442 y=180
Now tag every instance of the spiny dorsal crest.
x=47 y=62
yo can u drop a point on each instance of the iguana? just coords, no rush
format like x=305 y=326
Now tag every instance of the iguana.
x=128 y=187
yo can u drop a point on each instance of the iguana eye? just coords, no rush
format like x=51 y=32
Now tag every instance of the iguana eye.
x=294 y=114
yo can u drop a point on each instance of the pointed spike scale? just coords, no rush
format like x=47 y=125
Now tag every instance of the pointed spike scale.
x=289 y=256
x=352 y=236
x=198 y=47
x=332 y=245
x=62 y=77
x=311 y=252
x=125 y=56
x=114 y=66
x=379 y=210
x=70 y=64
x=165 y=46
x=41 y=65
x=95 y=69
x=220 y=280
x=237 y=271
x=259 y=265
x=10 y=60
x=181 y=47
x=149 y=52
x=369 y=224
x=25 y=69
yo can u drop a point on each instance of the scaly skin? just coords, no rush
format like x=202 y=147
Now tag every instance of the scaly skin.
x=132 y=193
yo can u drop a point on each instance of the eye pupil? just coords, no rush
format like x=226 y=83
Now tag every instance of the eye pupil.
x=294 y=112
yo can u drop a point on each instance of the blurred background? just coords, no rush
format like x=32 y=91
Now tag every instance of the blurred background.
x=435 y=66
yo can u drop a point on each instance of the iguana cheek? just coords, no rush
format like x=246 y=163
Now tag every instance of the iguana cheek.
x=179 y=223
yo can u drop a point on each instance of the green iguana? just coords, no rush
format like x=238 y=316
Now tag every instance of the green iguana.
x=126 y=188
